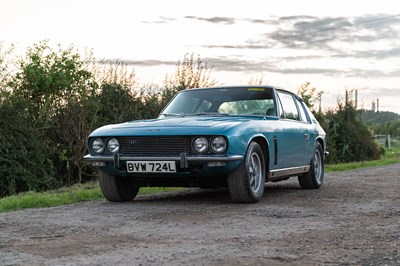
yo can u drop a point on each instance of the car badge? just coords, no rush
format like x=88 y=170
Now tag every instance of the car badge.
x=132 y=142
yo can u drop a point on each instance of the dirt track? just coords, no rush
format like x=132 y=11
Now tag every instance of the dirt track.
x=353 y=219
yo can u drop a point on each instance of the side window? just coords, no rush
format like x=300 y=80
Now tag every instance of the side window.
x=303 y=116
x=289 y=106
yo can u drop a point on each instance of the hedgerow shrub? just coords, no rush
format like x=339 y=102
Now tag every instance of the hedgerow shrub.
x=25 y=151
x=349 y=139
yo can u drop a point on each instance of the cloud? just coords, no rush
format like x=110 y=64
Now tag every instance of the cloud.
x=236 y=64
x=161 y=20
x=368 y=92
x=214 y=20
x=371 y=54
x=320 y=33
x=243 y=65
x=321 y=37
x=229 y=46
x=141 y=63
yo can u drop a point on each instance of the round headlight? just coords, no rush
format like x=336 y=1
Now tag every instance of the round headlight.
x=218 y=144
x=200 y=145
x=113 y=145
x=98 y=146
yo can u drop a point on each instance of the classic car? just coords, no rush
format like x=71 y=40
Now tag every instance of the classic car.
x=235 y=137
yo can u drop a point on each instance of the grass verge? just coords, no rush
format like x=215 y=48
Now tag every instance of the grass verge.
x=90 y=191
x=391 y=156
x=357 y=165
x=68 y=195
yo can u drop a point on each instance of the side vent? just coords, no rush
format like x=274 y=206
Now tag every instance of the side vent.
x=275 y=150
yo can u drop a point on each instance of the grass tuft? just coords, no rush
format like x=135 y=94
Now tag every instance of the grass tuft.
x=67 y=195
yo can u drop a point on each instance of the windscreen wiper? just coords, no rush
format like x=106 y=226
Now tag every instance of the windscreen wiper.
x=176 y=115
x=210 y=114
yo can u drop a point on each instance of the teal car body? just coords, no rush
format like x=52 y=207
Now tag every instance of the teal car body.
x=235 y=137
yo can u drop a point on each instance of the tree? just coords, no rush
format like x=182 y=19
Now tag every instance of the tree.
x=190 y=73
x=55 y=83
x=349 y=139
x=50 y=78
x=5 y=72
x=25 y=151
x=256 y=80
x=114 y=72
x=310 y=96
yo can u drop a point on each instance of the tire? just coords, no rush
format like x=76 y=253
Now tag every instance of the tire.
x=315 y=176
x=246 y=184
x=117 y=188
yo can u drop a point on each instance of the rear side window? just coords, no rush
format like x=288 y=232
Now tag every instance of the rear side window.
x=289 y=108
x=303 y=116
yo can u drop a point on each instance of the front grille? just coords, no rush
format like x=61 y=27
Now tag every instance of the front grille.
x=148 y=146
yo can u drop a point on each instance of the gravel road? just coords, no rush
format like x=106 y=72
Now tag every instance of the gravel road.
x=354 y=219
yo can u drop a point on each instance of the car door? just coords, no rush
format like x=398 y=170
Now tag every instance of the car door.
x=294 y=141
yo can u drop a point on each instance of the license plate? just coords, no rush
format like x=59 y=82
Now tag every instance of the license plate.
x=151 y=167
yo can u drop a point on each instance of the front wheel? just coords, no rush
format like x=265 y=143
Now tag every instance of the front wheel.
x=315 y=176
x=117 y=188
x=246 y=184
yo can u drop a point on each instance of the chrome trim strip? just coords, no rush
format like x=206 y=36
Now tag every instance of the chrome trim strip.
x=289 y=171
x=164 y=158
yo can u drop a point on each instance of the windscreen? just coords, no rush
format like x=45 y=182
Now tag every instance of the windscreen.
x=224 y=101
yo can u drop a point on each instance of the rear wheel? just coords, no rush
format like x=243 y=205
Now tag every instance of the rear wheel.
x=246 y=184
x=117 y=188
x=315 y=176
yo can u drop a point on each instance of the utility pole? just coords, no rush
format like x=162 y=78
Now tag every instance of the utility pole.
x=356 y=100
x=320 y=103
x=377 y=105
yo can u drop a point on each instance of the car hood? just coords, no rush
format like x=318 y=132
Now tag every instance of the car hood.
x=174 y=126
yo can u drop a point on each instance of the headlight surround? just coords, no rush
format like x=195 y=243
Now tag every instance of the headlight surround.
x=97 y=146
x=200 y=145
x=218 y=144
x=113 y=145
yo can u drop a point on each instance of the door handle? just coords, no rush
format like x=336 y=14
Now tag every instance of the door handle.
x=306 y=136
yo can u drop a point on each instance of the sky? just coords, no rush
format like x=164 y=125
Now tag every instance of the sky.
x=335 y=45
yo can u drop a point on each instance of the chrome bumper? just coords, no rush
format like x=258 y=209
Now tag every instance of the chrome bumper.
x=184 y=159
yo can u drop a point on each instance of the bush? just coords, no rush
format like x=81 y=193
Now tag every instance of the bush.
x=349 y=139
x=25 y=151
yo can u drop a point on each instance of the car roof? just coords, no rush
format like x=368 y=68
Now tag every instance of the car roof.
x=246 y=86
x=235 y=87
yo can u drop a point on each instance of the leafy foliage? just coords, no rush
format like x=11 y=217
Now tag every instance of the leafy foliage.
x=385 y=123
x=50 y=79
x=190 y=73
x=310 y=96
x=5 y=70
x=57 y=98
x=349 y=138
x=25 y=163
x=49 y=88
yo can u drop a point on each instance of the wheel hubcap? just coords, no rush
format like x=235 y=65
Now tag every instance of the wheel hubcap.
x=255 y=172
x=317 y=166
